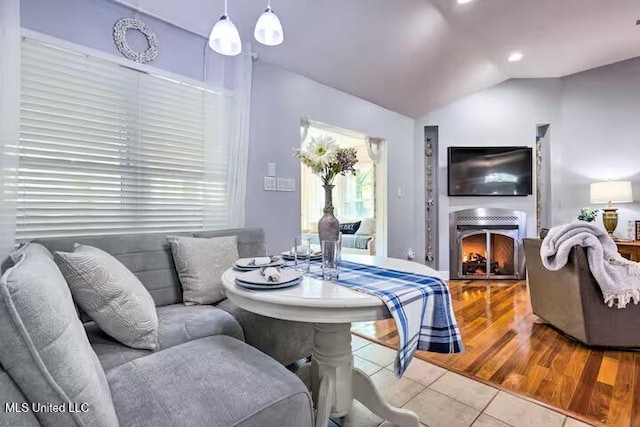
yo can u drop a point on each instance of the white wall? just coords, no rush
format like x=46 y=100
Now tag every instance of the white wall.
x=601 y=136
x=506 y=114
x=280 y=99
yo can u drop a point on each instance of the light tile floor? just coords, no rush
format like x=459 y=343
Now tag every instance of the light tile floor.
x=443 y=398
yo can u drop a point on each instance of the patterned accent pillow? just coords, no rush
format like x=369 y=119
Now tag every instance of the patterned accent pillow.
x=111 y=295
x=200 y=264
x=350 y=227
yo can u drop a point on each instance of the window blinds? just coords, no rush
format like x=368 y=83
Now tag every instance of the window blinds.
x=104 y=149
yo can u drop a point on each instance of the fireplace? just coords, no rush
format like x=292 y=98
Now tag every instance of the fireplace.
x=487 y=244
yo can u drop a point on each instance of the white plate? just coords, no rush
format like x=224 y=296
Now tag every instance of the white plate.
x=289 y=256
x=259 y=262
x=255 y=278
x=268 y=287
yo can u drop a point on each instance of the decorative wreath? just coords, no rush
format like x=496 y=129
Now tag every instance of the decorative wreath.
x=120 y=38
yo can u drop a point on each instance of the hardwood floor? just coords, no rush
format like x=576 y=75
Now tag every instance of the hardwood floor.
x=507 y=346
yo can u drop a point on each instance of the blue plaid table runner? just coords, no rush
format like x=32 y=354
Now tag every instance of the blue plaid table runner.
x=420 y=306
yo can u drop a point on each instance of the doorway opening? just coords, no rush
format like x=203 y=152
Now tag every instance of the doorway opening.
x=359 y=199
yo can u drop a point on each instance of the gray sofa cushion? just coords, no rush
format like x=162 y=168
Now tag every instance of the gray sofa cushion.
x=11 y=260
x=283 y=340
x=109 y=351
x=200 y=263
x=44 y=347
x=11 y=394
x=148 y=256
x=177 y=324
x=250 y=240
x=30 y=248
x=111 y=295
x=215 y=381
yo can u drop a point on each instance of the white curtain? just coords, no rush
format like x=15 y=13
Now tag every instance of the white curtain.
x=9 y=118
x=234 y=74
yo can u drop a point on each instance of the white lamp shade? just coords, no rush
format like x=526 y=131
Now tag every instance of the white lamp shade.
x=225 y=38
x=269 y=29
x=611 y=192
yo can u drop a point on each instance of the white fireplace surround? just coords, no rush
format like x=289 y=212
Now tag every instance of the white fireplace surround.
x=486 y=222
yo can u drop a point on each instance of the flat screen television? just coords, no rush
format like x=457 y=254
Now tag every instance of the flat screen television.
x=490 y=171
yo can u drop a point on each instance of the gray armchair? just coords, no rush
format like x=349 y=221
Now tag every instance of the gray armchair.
x=571 y=301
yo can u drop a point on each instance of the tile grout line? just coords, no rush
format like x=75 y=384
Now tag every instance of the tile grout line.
x=441 y=394
x=490 y=401
x=483 y=412
x=453 y=398
x=476 y=418
x=528 y=400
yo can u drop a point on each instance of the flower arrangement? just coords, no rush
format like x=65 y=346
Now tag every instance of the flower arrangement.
x=588 y=214
x=326 y=159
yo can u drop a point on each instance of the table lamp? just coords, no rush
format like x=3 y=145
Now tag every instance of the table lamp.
x=611 y=192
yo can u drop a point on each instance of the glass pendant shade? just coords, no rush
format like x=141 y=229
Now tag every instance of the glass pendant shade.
x=269 y=29
x=225 y=38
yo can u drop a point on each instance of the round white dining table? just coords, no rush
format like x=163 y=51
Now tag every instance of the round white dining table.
x=335 y=382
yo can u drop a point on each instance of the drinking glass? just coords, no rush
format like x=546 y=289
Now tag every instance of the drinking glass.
x=302 y=254
x=330 y=259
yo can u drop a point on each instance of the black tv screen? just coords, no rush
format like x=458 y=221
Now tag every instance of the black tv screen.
x=490 y=171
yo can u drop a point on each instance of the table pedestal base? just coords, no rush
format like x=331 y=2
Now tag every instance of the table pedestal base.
x=335 y=382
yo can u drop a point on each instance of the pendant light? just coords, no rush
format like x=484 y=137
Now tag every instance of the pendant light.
x=224 y=37
x=268 y=28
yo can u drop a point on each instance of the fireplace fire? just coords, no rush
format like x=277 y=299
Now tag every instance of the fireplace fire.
x=475 y=259
x=487 y=244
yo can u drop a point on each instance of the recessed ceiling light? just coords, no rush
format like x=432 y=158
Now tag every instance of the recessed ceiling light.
x=515 y=57
x=464 y=1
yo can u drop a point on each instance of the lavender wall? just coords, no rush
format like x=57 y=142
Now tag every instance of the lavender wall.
x=601 y=136
x=280 y=100
x=90 y=23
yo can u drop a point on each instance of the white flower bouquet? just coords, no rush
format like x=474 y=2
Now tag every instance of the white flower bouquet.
x=326 y=159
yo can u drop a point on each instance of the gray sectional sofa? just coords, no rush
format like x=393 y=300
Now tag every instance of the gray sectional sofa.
x=210 y=369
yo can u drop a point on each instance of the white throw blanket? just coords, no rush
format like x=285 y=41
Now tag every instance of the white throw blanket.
x=619 y=278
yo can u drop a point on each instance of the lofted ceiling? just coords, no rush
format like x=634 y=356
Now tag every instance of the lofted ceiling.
x=413 y=56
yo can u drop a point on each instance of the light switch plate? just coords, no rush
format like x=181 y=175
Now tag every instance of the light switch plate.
x=286 y=184
x=271 y=169
x=270 y=183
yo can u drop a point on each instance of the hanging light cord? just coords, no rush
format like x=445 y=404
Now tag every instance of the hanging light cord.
x=225 y=8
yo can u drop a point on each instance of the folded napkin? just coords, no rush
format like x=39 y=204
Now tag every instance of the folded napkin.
x=302 y=250
x=272 y=274
x=265 y=260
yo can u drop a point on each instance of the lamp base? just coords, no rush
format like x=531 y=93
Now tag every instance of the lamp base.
x=610 y=219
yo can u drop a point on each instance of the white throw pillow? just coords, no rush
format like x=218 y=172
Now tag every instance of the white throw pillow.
x=367 y=228
x=111 y=295
x=200 y=264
